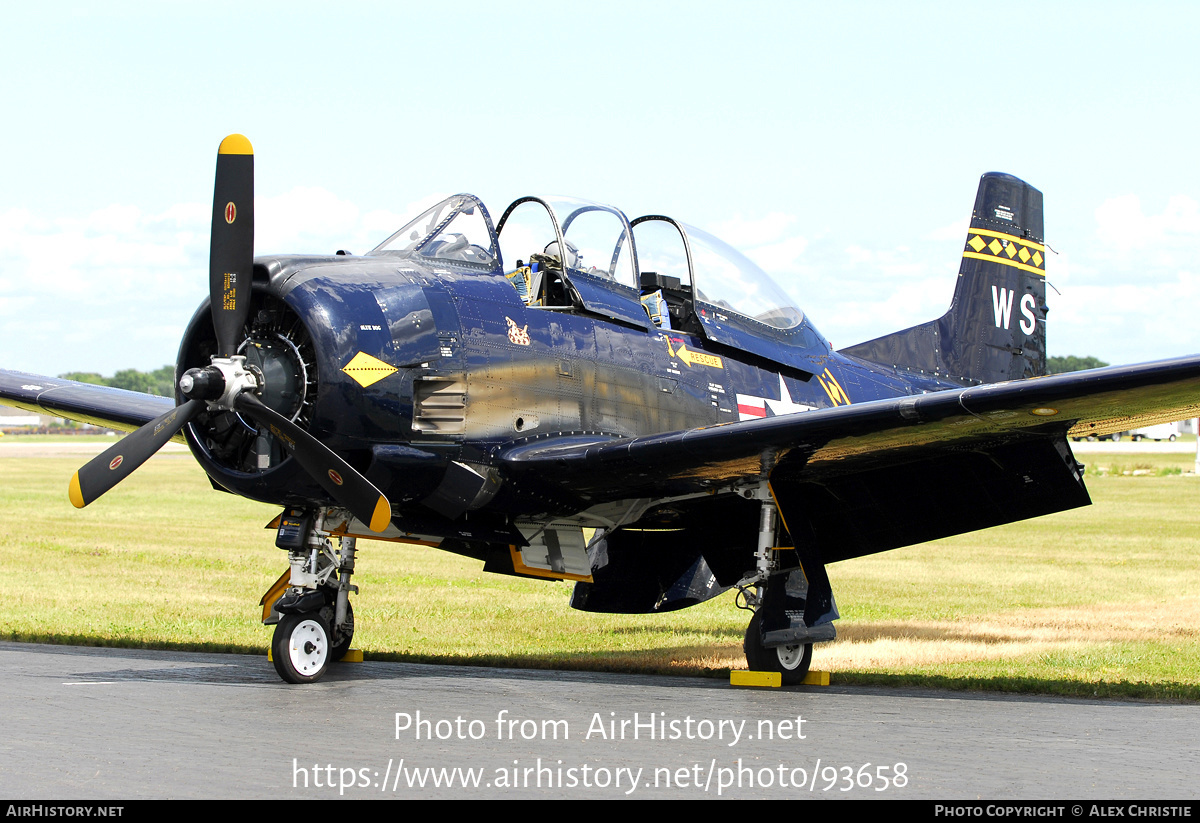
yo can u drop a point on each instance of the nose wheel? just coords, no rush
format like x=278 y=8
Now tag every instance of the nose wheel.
x=300 y=648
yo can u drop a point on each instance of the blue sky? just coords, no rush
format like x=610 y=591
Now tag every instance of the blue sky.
x=837 y=144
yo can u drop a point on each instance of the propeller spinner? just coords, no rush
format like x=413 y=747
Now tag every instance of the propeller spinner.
x=225 y=384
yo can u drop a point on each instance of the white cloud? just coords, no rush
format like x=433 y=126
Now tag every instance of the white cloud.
x=770 y=241
x=115 y=288
x=114 y=219
x=184 y=215
x=783 y=256
x=315 y=220
x=111 y=289
x=305 y=219
x=1123 y=226
x=954 y=231
x=1129 y=322
x=742 y=233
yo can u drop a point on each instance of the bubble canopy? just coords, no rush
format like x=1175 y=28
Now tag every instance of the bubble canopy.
x=602 y=246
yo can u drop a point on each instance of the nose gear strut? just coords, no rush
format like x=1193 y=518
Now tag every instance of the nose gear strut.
x=314 y=621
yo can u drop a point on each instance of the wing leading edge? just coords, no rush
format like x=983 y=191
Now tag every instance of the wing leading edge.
x=868 y=477
x=85 y=402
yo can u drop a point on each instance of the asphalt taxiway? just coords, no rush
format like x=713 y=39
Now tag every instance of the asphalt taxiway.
x=126 y=724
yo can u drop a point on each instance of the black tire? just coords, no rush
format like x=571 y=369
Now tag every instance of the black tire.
x=791 y=662
x=342 y=640
x=1116 y=438
x=300 y=647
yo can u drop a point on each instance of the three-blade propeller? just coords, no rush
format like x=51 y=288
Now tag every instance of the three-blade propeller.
x=225 y=385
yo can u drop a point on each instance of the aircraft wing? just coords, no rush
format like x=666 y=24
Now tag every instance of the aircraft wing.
x=871 y=476
x=85 y=402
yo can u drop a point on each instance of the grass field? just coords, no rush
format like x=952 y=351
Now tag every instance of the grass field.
x=1099 y=601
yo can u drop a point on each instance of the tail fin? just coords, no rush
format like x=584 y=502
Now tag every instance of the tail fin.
x=996 y=326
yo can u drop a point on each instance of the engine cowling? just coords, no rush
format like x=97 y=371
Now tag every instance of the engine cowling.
x=333 y=344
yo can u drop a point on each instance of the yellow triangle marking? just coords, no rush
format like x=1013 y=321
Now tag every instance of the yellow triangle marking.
x=366 y=369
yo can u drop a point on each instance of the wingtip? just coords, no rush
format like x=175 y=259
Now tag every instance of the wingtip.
x=235 y=144
x=75 y=493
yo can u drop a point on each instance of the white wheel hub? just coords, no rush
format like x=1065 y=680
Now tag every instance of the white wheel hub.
x=308 y=647
x=790 y=656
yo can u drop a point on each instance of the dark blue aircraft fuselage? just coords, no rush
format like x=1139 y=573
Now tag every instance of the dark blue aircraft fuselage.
x=470 y=368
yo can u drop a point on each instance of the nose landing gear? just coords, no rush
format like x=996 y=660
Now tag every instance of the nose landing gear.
x=314 y=621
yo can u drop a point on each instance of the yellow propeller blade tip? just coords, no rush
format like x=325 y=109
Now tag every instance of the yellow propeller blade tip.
x=74 y=492
x=235 y=144
x=382 y=515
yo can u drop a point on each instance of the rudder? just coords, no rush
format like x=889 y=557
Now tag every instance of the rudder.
x=995 y=328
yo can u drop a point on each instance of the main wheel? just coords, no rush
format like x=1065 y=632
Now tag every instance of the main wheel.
x=1117 y=437
x=300 y=648
x=791 y=662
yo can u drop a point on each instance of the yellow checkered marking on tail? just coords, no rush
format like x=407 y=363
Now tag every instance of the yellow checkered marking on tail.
x=1006 y=249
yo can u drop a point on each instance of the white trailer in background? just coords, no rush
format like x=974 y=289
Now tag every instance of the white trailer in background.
x=1159 y=431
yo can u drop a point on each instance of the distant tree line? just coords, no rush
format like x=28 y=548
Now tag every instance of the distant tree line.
x=1058 y=365
x=160 y=381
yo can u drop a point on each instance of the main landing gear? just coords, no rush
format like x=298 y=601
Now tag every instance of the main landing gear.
x=309 y=605
x=791 y=611
x=791 y=661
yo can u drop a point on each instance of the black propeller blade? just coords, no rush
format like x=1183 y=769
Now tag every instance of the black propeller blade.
x=118 y=461
x=231 y=253
x=226 y=384
x=231 y=260
x=343 y=482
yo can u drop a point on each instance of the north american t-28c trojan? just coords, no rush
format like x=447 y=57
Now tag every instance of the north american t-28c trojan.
x=500 y=390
